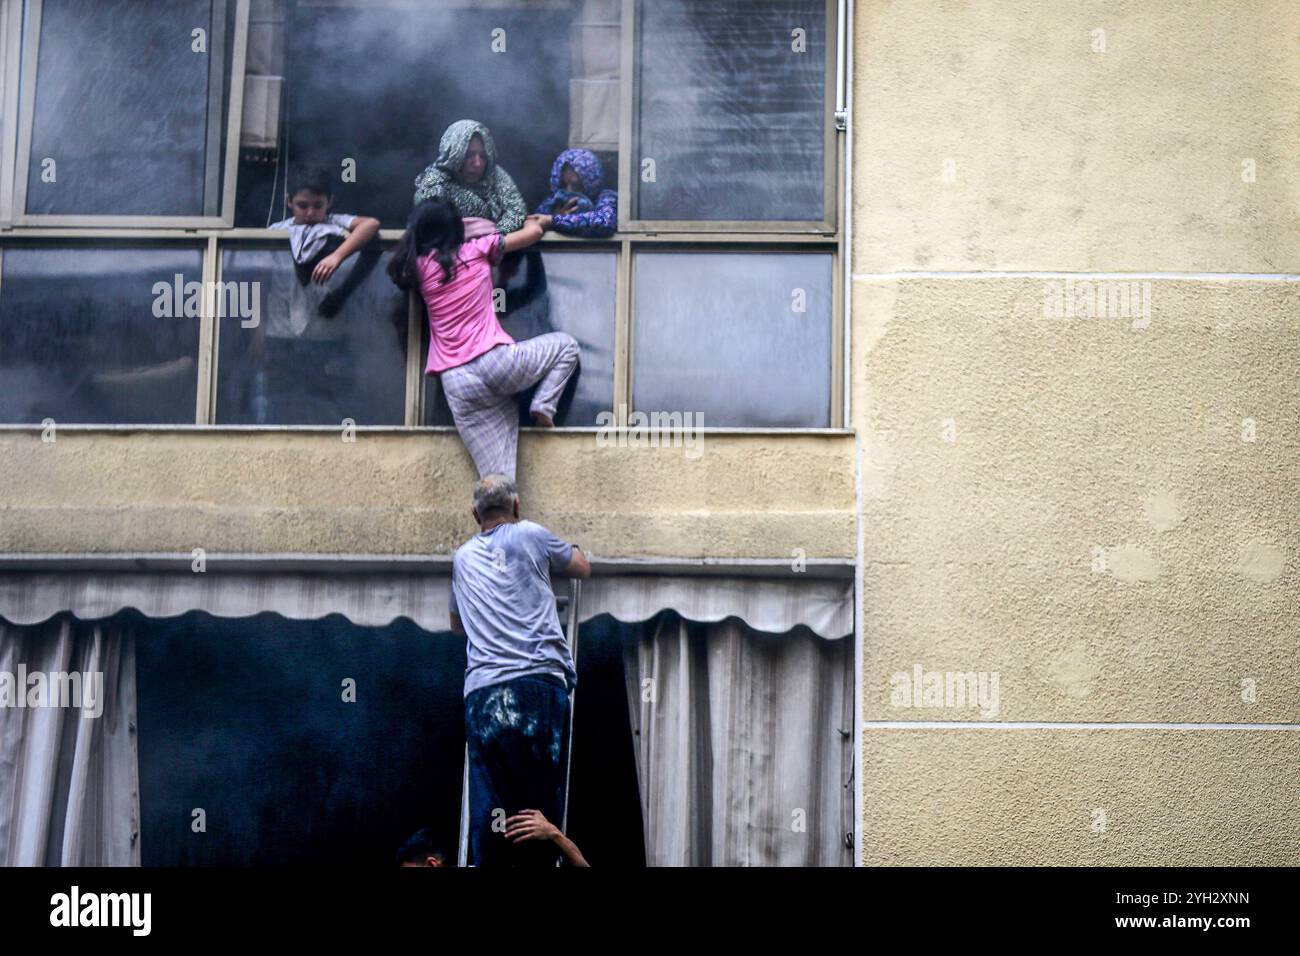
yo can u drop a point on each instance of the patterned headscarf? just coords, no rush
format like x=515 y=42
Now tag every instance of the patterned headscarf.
x=494 y=197
x=585 y=164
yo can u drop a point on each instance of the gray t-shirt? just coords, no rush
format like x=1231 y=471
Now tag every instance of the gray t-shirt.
x=501 y=588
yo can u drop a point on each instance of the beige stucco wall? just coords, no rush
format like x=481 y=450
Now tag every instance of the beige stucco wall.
x=732 y=496
x=1067 y=435
x=1081 y=797
x=1107 y=515
x=1065 y=158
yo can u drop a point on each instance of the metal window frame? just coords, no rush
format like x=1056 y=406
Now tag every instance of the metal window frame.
x=636 y=234
x=11 y=28
x=415 y=362
x=218 y=242
x=26 y=119
x=629 y=78
x=205 y=409
x=162 y=239
x=751 y=244
x=217 y=232
x=623 y=247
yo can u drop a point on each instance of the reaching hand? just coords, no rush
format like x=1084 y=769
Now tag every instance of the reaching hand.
x=530 y=825
x=325 y=268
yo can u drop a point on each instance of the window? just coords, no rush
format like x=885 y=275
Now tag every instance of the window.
x=731 y=111
x=96 y=333
x=742 y=338
x=249 y=713
x=245 y=718
x=505 y=66
x=713 y=119
x=125 y=101
x=310 y=355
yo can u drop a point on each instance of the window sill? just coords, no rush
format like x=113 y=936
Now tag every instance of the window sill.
x=255 y=234
x=377 y=429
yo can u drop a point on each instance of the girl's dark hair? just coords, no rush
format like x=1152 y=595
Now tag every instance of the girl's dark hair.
x=435 y=226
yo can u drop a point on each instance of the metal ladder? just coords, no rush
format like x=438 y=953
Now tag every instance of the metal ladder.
x=567 y=606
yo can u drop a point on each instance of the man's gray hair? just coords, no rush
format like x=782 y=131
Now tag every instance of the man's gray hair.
x=494 y=495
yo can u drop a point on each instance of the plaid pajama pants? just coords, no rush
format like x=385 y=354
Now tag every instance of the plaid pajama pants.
x=481 y=395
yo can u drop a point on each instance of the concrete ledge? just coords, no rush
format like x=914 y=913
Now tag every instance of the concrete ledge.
x=408 y=493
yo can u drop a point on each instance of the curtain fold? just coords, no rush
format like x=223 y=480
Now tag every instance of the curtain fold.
x=743 y=743
x=739 y=690
x=69 y=782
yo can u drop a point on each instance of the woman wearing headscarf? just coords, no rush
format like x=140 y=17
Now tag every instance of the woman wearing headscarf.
x=466 y=174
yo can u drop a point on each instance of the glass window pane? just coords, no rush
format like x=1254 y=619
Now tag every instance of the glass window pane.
x=572 y=292
x=730 y=111
x=121 y=123
x=95 y=335
x=722 y=335
x=317 y=354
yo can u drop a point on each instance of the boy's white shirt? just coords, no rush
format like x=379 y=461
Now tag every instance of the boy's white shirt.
x=307 y=239
x=291 y=306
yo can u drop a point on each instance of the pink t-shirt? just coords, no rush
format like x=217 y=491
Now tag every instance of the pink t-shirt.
x=462 y=322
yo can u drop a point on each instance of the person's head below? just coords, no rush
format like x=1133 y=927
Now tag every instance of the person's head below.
x=435 y=227
x=309 y=194
x=496 y=501
x=420 y=849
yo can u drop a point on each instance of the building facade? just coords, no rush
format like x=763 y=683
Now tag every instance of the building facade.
x=935 y=439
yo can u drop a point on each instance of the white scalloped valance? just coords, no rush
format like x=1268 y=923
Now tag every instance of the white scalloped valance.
x=375 y=599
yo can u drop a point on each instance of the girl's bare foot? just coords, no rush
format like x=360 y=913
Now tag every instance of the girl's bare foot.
x=542 y=420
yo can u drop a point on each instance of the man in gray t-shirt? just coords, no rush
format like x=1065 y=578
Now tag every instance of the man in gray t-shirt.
x=501 y=592
x=519 y=670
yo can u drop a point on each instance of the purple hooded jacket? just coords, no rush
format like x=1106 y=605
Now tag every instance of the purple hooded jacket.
x=601 y=221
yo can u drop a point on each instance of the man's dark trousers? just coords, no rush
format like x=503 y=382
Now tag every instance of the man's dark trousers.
x=516 y=732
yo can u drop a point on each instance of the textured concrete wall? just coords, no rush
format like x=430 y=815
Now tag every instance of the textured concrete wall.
x=748 y=496
x=1081 y=797
x=1101 y=510
x=1059 y=157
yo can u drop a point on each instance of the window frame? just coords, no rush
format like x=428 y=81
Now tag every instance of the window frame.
x=754 y=245
x=80 y=238
x=216 y=172
x=11 y=25
x=632 y=235
x=219 y=243
x=629 y=79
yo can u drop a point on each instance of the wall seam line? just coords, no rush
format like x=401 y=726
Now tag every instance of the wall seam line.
x=1065 y=725
x=1172 y=276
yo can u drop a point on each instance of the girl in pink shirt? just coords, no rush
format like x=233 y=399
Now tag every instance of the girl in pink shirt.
x=480 y=366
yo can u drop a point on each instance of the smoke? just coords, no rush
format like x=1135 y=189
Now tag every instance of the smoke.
x=379 y=84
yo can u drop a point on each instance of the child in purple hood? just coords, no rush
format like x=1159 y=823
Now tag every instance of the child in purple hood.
x=577 y=206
